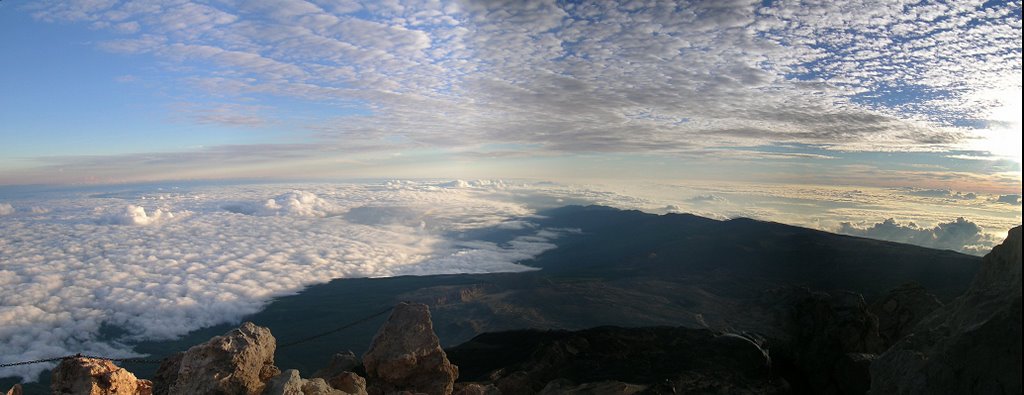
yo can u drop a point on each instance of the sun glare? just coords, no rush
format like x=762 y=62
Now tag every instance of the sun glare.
x=1002 y=136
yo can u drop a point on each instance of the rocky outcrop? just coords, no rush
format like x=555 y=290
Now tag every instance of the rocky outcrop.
x=822 y=339
x=239 y=362
x=900 y=309
x=970 y=346
x=475 y=389
x=15 y=390
x=406 y=355
x=566 y=387
x=88 y=376
x=618 y=360
x=287 y=383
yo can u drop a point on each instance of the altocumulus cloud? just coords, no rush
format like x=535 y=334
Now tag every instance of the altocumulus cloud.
x=581 y=76
x=162 y=271
x=958 y=235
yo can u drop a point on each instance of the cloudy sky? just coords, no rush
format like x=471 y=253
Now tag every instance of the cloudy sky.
x=859 y=93
x=885 y=119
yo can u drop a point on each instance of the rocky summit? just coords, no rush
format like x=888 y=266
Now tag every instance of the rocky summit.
x=970 y=346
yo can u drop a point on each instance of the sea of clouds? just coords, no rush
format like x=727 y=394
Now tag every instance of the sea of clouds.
x=160 y=262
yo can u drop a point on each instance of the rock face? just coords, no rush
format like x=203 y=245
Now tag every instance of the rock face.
x=970 y=346
x=823 y=339
x=87 y=376
x=239 y=362
x=901 y=309
x=405 y=355
x=618 y=361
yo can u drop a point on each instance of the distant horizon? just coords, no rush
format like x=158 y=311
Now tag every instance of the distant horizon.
x=848 y=94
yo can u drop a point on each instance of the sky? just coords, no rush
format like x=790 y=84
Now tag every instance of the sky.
x=859 y=93
x=160 y=159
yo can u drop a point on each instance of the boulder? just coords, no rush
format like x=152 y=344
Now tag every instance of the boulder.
x=406 y=355
x=476 y=389
x=318 y=386
x=340 y=362
x=348 y=382
x=900 y=309
x=289 y=382
x=239 y=362
x=88 y=376
x=969 y=346
x=15 y=390
x=817 y=333
x=660 y=359
x=557 y=387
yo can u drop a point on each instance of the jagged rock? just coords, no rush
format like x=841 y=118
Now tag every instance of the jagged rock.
x=318 y=386
x=289 y=382
x=691 y=360
x=818 y=331
x=167 y=374
x=15 y=390
x=239 y=362
x=87 y=376
x=969 y=346
x=405 y=355
x=901 y=309
x=340 y=362
x=349 y=383
x=475 y=389
x=557 y=387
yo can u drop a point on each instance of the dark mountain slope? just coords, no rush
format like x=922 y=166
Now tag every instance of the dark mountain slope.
x=624 y=268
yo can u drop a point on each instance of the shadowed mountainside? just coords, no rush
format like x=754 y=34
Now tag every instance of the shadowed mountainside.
x=623 y=268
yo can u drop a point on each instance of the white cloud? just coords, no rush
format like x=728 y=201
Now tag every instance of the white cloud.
x=135 y=215
x=958 y=235
x=599 y=76
x=188 y=263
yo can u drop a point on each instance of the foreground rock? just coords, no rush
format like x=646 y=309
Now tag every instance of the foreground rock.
x=612 y=360
x=970 y=346
x=405 y=355
x=823 y=343
x=901 y=309
x=87 y=376
x=239 y=362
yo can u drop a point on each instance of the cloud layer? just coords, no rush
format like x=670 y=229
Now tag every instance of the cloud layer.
x=162 y=263
x=958 y=235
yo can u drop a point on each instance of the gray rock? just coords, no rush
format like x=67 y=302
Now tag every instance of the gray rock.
x=318 y=386
x=340 y=362
x=819 y=332
x=289 y=382
x=405 y=355
x=348 y=382
x=901 y=309
x=239 y=362
x=557 y=387
x=476 y=389
x=970 y=346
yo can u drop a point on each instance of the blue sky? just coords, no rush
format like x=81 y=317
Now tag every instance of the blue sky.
x=860 y=93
